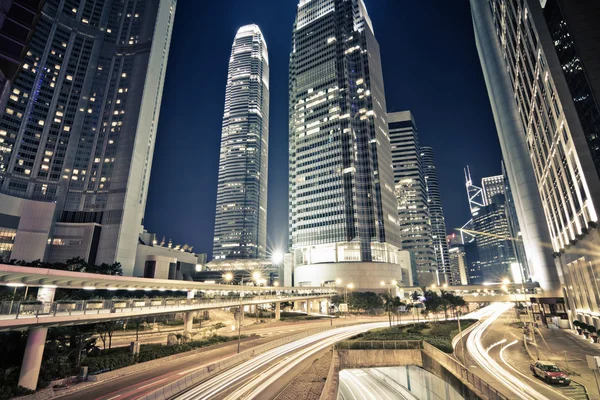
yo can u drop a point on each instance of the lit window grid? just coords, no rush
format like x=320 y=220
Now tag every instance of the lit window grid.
x=240 y=223
x=565 y=219
x=319 y=115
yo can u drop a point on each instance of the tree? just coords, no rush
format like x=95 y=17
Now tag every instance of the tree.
x=105 y=331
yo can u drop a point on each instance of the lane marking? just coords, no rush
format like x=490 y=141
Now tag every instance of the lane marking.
x=150 y=384
x=114 y=397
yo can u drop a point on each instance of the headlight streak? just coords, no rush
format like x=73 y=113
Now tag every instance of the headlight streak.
x=522 y=374
x=480 y=355
x=224 y=381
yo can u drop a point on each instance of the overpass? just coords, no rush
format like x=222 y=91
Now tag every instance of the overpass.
x=487 y=292
x=37 y=318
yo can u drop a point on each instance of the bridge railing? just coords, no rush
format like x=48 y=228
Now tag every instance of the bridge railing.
x=28 y=309
x=379 y=345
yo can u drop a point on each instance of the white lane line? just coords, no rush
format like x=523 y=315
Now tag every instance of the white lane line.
x=504 y=360
x=153 y=383
x=114 y=397
x=191 y=370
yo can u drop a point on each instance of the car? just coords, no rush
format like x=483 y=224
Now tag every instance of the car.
x=550 y=373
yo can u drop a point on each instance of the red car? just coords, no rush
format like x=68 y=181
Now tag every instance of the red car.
x=550 y=373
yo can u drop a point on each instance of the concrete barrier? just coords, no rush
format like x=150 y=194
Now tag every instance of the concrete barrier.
x=378 y=358
x=332 y=384
x=207 y=372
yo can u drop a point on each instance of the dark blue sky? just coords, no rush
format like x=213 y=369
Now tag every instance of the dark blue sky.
x=430 y=66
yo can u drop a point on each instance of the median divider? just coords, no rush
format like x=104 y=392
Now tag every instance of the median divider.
x=465 y=332
x=195 y=378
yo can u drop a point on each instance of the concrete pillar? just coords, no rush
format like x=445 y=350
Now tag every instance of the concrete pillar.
x=188 y=321
x=277 y=311
x=297 y=305
x=32 y=359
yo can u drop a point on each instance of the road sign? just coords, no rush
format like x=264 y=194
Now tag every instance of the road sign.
x=402 y=308
x=343 y=307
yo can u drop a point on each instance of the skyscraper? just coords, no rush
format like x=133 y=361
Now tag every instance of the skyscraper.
x=342 y=205
x=508 y=115
x=491 y=186
x=411 y=192
x=241 y=215
x=540 y=62
x=436 y=216
x=17 y=21
x=495 y=248
x=79 y=128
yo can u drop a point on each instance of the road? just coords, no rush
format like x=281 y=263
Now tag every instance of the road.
x=139 y=384
x=489 y=346
x=250 y=379
x=367 y=384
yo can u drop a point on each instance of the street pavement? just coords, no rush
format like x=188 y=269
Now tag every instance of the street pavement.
x=138 y=384
x=512 y=356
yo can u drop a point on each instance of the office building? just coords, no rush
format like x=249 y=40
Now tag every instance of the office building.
x=494 y=244
x=458 y=265
x=241 y=212
x=411 y=192
x=491 y=186
x=17 y=23
x=540 y=61
x=79 y=128
x=165 y=260
x=436 y=216
x=342 y=210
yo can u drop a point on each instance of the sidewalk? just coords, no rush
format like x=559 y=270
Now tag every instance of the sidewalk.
x=568 y=350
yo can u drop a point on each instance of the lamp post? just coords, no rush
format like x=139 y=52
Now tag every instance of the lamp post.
x=348 y=286
x=241 y=314
x=389 y=301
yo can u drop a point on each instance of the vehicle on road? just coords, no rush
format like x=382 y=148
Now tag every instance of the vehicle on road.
x=550 y=373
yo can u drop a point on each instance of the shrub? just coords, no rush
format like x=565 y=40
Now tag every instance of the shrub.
x=576 y=323
x=591 y=329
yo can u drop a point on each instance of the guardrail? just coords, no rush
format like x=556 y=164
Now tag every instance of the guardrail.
x=193 y=379
x=462 y=372
x=27 y=309
x=379 y=345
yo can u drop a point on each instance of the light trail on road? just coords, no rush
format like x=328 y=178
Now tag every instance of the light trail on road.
x=481 y=356
x=298 y=351
x=359 y=384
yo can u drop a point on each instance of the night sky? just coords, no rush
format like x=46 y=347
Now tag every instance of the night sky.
x=430 y=66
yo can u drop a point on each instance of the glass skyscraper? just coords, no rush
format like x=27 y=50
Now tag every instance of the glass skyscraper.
x=436 y=216
x=540 y=61
x=80 y=124
x=411 y=193
x=241 y=215
x=342 y=205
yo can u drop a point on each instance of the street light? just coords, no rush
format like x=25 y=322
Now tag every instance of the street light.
x=389 y=301
x=277 y=257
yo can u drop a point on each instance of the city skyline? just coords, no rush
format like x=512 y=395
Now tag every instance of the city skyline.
x=201 y=188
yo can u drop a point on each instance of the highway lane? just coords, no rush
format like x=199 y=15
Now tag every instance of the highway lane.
x=139 y=384
x=248 y=379
x=251 y=379
x=486 y=346
x=359 y=384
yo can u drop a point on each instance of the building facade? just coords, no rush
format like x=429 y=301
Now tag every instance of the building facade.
x=17 y=23
x=80 y=125
x=494 y=244
x=241 y=214
x=342 y=207
x=548 y=54
x=524 y=104
x=411 y=192
x=436 y=216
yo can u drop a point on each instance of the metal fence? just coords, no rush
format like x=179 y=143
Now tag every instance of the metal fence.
x=379 y=345
x=462 y=372
x=27 y=309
